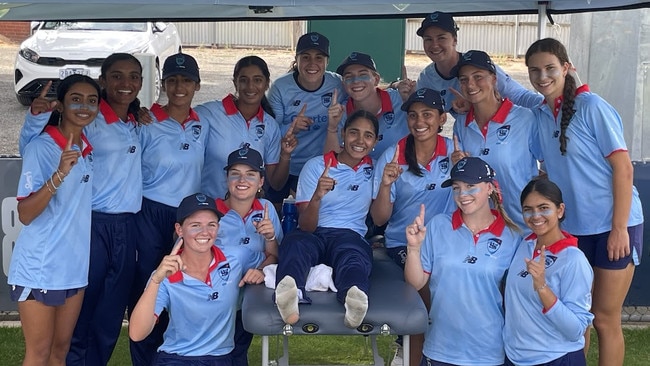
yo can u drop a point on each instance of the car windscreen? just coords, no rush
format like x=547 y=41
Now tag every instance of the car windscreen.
x=101 y=26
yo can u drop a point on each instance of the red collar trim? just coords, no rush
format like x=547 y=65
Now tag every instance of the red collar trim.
x=223 y=208
x=441 y=150
x=62 y=141
x=495 y=228
x=499 y=117
x=161 y=115
x=386 y=104
x=568 y=241
x=218 y=257
x=331 y=156
x=231 y=108
x=584 y=88
x=110 y=116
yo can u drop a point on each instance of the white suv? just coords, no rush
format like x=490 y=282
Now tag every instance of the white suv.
x=58 y=49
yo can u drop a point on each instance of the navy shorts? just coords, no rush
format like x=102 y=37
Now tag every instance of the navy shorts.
x=398 y=255
x=575 y=358
x=426 y=361
x=595 y=249
x=47 y=297
x=171 y=359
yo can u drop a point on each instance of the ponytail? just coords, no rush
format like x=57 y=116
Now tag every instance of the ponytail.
x=411 y=157
x=497 y=200
x=569 y=96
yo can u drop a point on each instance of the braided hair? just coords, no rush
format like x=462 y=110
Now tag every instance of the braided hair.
x=556 y=48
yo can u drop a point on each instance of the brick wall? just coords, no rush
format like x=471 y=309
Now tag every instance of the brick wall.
x=15 y=31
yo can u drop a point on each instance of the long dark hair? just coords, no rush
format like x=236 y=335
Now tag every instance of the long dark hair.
x=261 y=64
x=134 y=106
x=546 y=189
x=410 y=154
x=556 y=48
x=63 y=89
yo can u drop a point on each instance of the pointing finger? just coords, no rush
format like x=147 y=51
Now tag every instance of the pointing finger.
x=302 y=110
x=327 y=168
x=542 y=254
x=335 y=99
x=68 y=146
x=266 y=211
x=290 y=130
x=456 y=93
x=177 y=246
x=46 y=88
x=404 y=75
x=421 y=215
x=456 y=143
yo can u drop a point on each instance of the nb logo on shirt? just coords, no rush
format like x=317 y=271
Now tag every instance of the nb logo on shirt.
x=485 y=151
x=556 y=134
x=245 y=240
x=213 y=296
x=523 y=274
x=470 y=259
x=296 y=103
x=431 y=187
x=185 y=146
x=131 y=150
x=380 y=137
x=353 y=187
x=85 y=178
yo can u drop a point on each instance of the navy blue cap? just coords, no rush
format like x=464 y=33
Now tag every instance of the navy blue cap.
x=313 y=41
x=475 y=58
x=181 y=64
x=470 y=170
x=248 y=156
x=438 y=19
x=427 y=96
x=357 y=58
x=193 y=203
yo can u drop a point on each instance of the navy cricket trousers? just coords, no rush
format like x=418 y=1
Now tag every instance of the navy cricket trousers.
x=347 y=252
x=155 y=239
x=110 y=275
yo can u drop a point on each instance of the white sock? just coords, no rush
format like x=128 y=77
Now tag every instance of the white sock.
x=356 y=306
x=286 y=298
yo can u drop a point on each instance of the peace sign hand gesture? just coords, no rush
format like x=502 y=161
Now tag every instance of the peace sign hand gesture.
x=41 y=104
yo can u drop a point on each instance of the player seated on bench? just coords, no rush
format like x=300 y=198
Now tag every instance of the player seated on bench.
x=333 y=197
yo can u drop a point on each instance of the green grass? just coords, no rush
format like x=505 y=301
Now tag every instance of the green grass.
x=310 y=350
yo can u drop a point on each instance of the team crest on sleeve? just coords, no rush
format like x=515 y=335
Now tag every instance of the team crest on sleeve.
x=389 y=118
x=367 y=172
x=503 y=132
x=224 y=272
x=29 y=181
x=196 y=132
x=443 y=165
x=326 y=99
x=493 y=245
x=259 y=131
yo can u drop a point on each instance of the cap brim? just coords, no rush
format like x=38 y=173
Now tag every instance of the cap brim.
x=193 y=77
x=256 y=168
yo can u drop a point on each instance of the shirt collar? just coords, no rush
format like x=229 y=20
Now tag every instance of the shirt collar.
x=331 y=156
x=110 y=116
x=62 y=141
x=568 y=241
x=496 y=227
x=584 y=88
x=161 y=115
x=223 y=208
x=231 y=108
x=218 y=257
x=499 y=117
x=441 y=150
x=386 y=104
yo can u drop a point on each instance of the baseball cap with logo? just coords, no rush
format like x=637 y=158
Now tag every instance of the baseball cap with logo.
x=470 y=170
x=475 y=58
x=193 y=203
x=181 y=64
x=313 y=41
x=427 y=96
x=357 y=58
x=438 y=19
x=246 y=155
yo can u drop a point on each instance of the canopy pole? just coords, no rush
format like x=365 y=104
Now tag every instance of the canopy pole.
x=541 y=19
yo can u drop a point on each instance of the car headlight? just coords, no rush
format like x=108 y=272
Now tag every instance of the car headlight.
x=29 y=55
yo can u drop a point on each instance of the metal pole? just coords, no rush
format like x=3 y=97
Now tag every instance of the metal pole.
x=541 y=20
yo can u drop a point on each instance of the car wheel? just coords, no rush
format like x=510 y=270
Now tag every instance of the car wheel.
x=24 y=100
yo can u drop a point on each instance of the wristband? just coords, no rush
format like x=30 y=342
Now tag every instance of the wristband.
x=273 y=238
x=540 y=288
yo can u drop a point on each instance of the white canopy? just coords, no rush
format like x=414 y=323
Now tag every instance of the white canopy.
x=286 y=9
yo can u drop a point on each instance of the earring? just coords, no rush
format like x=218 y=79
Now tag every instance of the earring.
x=343 y=143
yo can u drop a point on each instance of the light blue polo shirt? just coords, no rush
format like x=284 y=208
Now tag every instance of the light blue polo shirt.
x=409 y=190
x=202 y=313
x=532 y=335
x=347 y=205
x=584 y=175
x=466 y=303
x=392 y=120
x=287 y=99
x=229 y=131
x=237 y=230
x=117 y=185
x=172 y=156
x=507 y=87
x=508 y=143
x=53 y=251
